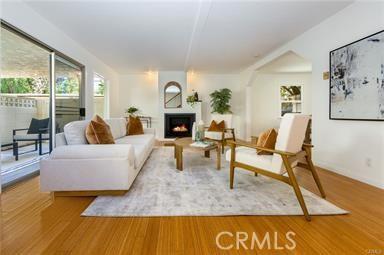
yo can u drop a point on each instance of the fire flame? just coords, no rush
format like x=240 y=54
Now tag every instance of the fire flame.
x=181 y=128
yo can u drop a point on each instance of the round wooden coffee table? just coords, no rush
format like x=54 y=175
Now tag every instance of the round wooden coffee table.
x=182 y=144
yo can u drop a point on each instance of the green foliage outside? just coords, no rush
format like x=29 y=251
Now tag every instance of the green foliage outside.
x=64 y=85
x=220 y=101
x=17 y=85
x=99 y=89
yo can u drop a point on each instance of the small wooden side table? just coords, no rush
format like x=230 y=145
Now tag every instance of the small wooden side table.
x=185 y=144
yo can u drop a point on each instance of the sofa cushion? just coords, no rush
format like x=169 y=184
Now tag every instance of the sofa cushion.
x=75 y=132
x=118 y=127
x=89 y=151
x=136 y=139
x=249 y=157
x=142 y=145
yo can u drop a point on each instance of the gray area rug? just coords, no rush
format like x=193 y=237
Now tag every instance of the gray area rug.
x=201 y=190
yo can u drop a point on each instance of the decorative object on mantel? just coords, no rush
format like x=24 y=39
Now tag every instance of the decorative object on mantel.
x=193 y=99
x=220 y=101
x=132 y=110
x=357 y=80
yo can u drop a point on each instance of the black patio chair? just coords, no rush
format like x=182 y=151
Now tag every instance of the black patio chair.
x=37 y=132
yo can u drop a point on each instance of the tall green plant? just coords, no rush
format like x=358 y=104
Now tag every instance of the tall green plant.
x=220 y=101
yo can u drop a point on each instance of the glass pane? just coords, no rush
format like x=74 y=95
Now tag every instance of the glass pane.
x=290 y=107
x=68 y=81
x=24 y=105
x=290 y=93
x=98 y=94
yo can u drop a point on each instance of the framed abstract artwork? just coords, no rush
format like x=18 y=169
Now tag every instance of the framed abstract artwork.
x=357 y=80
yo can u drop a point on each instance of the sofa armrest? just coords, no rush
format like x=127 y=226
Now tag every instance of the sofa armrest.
x=94 y=151
x=60 y=140
x=151 y=131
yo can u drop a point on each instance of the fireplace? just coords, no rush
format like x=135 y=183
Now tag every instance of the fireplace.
x=178 y=124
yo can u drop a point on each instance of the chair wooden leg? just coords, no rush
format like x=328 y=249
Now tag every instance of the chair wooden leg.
x=255 y=174
x=222 y=147
x=232 y=166
x=296 y=188
x=231 y=176
x=315 y=175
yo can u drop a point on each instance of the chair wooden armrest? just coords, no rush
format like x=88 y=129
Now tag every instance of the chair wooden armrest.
x=308 y=145
x=253 y=146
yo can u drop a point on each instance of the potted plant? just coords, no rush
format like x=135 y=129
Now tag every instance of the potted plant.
x=132 y=110
x=220 y=101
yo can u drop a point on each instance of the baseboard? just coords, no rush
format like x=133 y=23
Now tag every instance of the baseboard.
x=344 y=172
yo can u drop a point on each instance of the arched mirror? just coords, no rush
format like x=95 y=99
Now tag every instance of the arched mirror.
x=172 y=95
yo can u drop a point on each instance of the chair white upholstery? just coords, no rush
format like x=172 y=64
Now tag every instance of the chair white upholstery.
x=217 y=135
x=228 y=124
x=290 y=138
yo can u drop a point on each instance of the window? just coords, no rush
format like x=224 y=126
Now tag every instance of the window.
x=99 y=95
x=290 y=99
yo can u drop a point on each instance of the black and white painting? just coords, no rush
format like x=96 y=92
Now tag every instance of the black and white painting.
x=357 y=80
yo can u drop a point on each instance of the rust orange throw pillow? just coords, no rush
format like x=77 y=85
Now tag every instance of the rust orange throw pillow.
x=267 y=139
x=98 y=132
x=134 y=126
x=217 y=127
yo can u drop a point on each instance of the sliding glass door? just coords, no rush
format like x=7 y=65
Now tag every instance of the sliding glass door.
x=68 y=103
x=41 y=90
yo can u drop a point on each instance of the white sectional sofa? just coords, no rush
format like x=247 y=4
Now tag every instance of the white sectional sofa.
x=76 y=166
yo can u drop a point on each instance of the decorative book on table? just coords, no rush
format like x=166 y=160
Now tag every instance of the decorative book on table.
x=202 y=144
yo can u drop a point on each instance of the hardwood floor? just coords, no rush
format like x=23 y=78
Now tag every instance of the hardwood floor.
x=34 y=223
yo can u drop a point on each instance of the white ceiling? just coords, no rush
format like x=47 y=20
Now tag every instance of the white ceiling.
x=289 y=62
x=210 y=36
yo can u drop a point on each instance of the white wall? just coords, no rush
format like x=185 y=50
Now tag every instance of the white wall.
x=205 y=84
x=141 y=90
x=265 y=98
x=341 y=146
x=25 y=18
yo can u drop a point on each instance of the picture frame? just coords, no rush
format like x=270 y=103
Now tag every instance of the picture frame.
x=356 y=72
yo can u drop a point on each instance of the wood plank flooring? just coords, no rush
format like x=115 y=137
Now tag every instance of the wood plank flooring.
x=36 y=223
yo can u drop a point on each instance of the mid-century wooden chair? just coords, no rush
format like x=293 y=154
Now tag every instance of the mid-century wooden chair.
x=289 y=149
x=227 y=134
